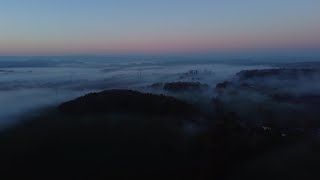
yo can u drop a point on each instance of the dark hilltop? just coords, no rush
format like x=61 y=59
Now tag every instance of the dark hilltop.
x=121 y=134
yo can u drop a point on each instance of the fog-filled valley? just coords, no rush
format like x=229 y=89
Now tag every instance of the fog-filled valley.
x=182 y=118
x=33 y=83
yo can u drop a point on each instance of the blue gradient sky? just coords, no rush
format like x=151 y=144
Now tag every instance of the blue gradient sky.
x=55 y=27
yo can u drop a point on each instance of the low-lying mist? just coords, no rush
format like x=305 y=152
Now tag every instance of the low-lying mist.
x=27 y=85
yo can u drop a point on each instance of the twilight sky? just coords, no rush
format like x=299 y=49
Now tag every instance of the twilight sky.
x=55 y=27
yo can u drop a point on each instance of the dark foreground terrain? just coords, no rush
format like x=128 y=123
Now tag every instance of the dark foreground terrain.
x=124 y=134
